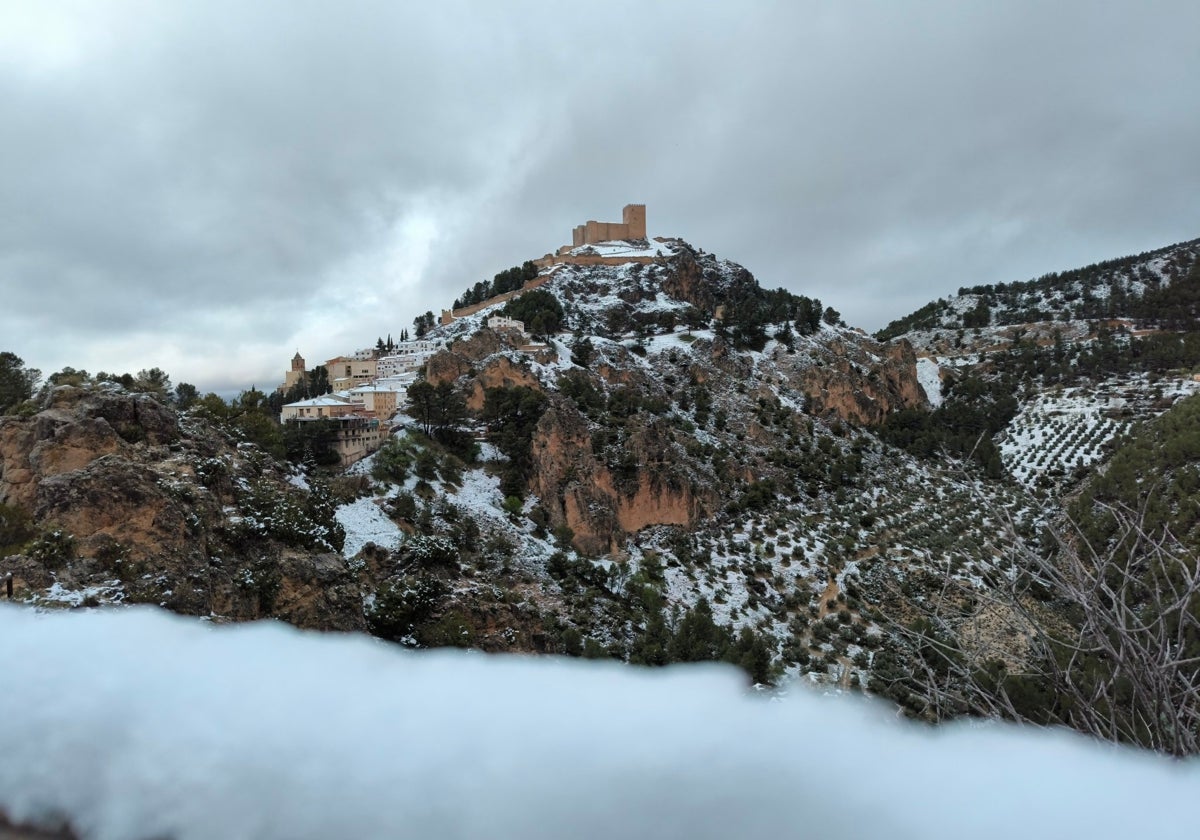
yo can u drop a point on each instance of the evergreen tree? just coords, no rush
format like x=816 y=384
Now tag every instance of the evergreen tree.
x=17 y=382
x=154 y=382
x=512 y=415
x=423 y=324
x=582 y=351
x=186 y=395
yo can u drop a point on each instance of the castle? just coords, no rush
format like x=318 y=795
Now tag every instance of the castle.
x=631 y=226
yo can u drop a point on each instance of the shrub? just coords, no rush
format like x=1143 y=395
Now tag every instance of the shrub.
x=261 y=581
x=16 y=528
x=430 y=551
x=401 y=605
x=53 y=548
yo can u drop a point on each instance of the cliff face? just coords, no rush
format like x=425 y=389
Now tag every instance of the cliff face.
x=487 y=357
x=862 y=381
x=653 y=485
x=154 y=510
x=704 y=281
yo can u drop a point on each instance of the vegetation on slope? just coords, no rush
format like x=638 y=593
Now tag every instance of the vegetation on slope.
x=1160 y=287
x=508 y=280
x=974 y=411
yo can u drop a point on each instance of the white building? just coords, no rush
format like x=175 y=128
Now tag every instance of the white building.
x=499 y=322
x=381 y=398
x=409 y=357
x=317 y=408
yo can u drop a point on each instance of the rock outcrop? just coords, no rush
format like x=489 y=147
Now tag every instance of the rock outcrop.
x=603 y=503
x=124 y=498
x=862 y=381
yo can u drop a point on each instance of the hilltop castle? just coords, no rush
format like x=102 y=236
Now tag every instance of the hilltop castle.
x=631 y=226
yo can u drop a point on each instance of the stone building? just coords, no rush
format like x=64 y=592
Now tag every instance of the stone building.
x=358 y=434
x=631 y=226
x=347 y=372
x=294 y=376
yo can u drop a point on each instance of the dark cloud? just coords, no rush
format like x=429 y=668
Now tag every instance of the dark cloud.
x=209 y=186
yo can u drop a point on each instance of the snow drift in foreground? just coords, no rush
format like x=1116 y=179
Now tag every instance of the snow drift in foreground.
x=136 y=723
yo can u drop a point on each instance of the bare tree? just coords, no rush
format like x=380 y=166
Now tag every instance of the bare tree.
x=1104 y=639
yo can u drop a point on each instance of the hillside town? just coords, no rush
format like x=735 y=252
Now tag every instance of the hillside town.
x=369 y=387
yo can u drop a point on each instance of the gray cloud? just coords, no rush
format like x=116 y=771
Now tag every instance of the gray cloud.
x=206 y=187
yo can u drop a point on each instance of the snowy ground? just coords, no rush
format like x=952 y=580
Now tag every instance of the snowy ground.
x=1062 y=430
x=136 y=723
x=929 y=375
x=364 y=522
x=622 y=248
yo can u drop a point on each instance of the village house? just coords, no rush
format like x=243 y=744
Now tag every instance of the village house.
x=409 y=356
x=347 y=371
x=358 y=437
x=378 y=399
x=359 y=434
x=317 y=408
x=500 y=322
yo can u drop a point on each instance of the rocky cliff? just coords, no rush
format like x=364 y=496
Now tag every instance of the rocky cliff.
x=127 y=499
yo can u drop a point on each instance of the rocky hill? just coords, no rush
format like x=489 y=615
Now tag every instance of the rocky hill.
x=1153 y=289
x=115 y=497
x=678 y=465
x=682 y=480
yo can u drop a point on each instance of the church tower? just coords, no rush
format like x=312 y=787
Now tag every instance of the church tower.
x=295 y=375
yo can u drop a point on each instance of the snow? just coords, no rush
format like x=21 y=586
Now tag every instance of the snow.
x=364 y=522
x=1058 y=431
x=59 y=595
x=623 y=248
x=480 y=493
x=134 y=723
x=929 y=375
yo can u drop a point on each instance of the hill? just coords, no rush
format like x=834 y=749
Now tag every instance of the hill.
x=1156 y=288
x=665 y=462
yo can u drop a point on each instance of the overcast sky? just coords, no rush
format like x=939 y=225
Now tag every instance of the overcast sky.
x=207 y=187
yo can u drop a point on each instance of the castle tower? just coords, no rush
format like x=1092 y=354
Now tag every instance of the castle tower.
x=633 y=216
x=295 y=375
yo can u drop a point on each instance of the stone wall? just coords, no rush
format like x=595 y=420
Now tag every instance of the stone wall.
x=589 y=259
x=448 y=315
